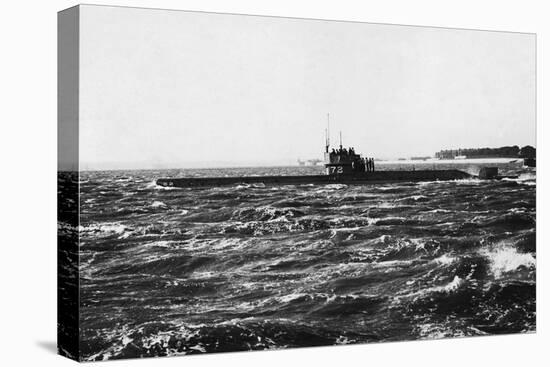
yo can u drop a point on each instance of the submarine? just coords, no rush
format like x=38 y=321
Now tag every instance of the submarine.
x=342 y=166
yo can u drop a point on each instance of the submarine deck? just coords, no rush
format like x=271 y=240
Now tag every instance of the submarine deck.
x=360 y=179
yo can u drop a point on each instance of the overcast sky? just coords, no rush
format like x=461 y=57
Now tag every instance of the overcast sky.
x=173 y=88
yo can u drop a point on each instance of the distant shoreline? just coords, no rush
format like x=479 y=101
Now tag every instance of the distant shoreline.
x=448 y=161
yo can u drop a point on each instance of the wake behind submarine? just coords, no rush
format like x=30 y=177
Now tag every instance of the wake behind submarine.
x=342 y=166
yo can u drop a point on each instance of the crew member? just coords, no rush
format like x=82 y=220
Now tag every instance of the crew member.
x=331 y=155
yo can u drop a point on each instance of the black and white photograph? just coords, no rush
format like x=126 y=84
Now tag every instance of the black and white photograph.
x=241 y=183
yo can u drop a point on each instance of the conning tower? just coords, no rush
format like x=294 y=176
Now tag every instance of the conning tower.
x=342 y=161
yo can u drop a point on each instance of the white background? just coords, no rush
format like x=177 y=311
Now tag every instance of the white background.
x=28 y=184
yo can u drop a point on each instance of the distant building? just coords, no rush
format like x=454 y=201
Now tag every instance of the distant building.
x=502 y=152
x=309 y=162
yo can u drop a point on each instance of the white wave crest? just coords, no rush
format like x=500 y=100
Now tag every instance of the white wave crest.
x=153 y=186
x=453 y=285
x=291 y=297
x=413 y=197
x=445 y=259
x=335 y=186
x=528 y=179
x=117 y=228
x=505 y=258
x=373 y=221
x=439 y=211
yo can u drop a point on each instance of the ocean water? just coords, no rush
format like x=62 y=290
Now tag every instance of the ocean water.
x=167 y=271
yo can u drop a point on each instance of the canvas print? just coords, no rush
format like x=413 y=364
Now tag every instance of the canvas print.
x=235 y=183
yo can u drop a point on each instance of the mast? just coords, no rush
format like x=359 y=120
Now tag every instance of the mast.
x=340 y=139
x=327 y=134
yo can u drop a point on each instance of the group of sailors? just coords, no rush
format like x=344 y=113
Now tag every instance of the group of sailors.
x=368 y=164
x=359 y=164
x=342 y=151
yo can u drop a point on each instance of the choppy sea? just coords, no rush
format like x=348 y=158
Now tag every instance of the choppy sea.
x=168 y=271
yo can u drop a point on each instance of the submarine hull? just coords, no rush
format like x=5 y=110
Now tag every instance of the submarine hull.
x=359 y=179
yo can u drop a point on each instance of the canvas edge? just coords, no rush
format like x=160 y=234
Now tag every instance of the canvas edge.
x=68 y=208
